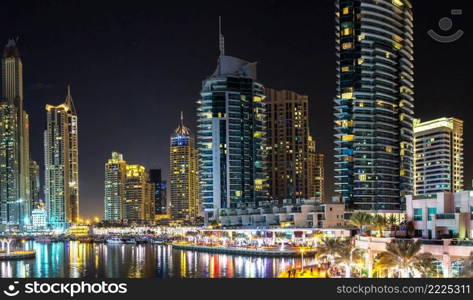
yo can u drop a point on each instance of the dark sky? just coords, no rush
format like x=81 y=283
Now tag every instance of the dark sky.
x=133 y=65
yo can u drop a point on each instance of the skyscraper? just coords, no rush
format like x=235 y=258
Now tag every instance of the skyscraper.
x=15 y=202
x=160 y=203
x=438 y=152
x=374 y=106
x=115 y=174
x=231 y=139
x=287 y=138
x=139 y=195
x=315 y=172
x=61 y=186
x=35 y=184
x=184 y=180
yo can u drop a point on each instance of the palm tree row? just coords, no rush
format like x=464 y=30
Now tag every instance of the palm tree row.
x=340 y=252
x=401 y=258
x=364 y=221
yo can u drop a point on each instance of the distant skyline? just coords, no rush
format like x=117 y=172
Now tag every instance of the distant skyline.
x=133 y=68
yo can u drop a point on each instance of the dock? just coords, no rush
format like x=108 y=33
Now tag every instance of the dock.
x=17 y=255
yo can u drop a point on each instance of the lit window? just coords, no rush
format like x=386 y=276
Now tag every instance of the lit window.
x=346 y=46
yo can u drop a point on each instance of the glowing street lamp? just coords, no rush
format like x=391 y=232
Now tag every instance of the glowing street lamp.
x=302 y=258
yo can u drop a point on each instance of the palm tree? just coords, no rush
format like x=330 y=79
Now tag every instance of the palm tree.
x=426 y=266
x=348 y=255
x=379 y=223
x=402 y=254
x=360 y=220
x=393 y=222
x=467 y=271
x=383 y=263
x=329 y=249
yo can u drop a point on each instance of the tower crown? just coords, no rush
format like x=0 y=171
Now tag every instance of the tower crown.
x=11 y=49
x=181 y=129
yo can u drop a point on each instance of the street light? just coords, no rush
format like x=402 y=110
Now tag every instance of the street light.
x=302 y=259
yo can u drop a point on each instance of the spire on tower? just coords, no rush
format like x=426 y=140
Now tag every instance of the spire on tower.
x=69 y=101
x=221 y=37
x=182 y=118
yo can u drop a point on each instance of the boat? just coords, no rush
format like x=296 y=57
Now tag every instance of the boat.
x=43 y=239
x=130 y=241
x=114 y=240
x=157 y=242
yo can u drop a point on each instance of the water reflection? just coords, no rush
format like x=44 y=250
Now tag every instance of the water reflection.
x=78 y=260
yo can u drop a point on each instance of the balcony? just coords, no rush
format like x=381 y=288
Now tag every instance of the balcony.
x=446 y=217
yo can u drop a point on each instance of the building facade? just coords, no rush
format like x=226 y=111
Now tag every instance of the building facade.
x=39 y=219
x=287 y=214
x=374 y=106
x=115 y=174
x=287 y=144
x=231 y=137
x=442 y=215
x=35 y=184
x=315 y=172
x=438 y=156
x=61 y=187
x=139 y=195
x=184 y=178
x=160 y=201
x=15 y=200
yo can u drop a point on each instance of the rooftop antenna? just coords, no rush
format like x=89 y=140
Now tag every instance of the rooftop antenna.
x=69 y=101
x=221 y=38
x=182 y=118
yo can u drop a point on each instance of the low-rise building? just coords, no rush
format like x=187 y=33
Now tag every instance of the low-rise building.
x=441 y=215
x=290 y=213
x=80 y=230
x=39 y=219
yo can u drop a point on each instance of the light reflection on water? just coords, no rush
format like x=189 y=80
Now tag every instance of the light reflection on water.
x=78 y=260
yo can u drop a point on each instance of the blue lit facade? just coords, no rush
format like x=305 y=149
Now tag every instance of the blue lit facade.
x=231 y=138
x=374 y=107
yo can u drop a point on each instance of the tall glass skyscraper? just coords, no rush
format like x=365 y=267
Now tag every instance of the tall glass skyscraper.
x=61 y=154
x=15 y=200
x=231 y=137
x=374 y=106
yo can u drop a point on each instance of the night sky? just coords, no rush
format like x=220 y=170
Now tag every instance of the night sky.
x=133 y=65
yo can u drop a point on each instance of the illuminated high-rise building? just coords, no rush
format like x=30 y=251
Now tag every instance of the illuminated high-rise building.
x=15 y=201
x=231 y=137
x=183 y=179
x=115 y=174
x=138 y=203
x=315 y=172
x=374 y=105
x=61 y=187
x=287 y=139
x=438 y=156
x=35 y=184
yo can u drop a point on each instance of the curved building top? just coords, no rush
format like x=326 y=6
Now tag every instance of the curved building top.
x=233 y=66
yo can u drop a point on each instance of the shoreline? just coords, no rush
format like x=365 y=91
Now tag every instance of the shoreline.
x=241 y=251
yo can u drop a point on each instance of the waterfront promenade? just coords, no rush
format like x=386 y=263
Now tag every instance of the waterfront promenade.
x=249 y=251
